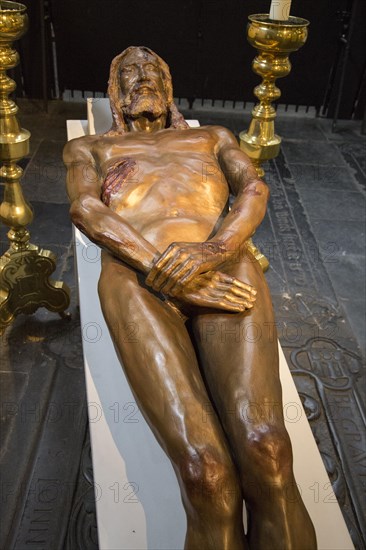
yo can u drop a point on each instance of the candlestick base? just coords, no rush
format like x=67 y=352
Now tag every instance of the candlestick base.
x=25 y=284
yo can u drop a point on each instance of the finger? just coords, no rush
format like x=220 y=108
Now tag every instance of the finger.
x=189 y=274
x=218 y=302
x=244 y=286
x=215 y=303
x=162 y=261
x=219 y=275
x=239 y=283
x=175 y=277
x=232 y=307
x=233 y=283
x=156 y=270
x=190 y=278
x=239 y=302
x=163 y=277
x=235 y=291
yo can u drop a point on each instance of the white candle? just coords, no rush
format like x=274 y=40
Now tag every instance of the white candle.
x=280 y=10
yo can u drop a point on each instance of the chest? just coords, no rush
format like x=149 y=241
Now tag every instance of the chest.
x=157 y=149
x=165 y=166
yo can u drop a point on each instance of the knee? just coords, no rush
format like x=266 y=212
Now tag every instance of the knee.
x=208 y=477
x=269 y=453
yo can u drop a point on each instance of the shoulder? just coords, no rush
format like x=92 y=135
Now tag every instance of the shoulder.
x=79 y=148
x=223 y=136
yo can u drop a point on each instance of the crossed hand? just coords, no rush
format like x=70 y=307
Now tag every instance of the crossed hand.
x=188 y=272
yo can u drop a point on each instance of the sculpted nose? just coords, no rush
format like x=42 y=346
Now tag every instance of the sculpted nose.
x=142 y=73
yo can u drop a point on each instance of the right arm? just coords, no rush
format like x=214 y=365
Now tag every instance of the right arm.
x=98 y=222
x=108 y=230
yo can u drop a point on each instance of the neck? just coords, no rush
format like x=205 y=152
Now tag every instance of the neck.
x=143 y=124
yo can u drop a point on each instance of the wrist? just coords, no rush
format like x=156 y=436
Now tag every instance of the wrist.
x=219 y=249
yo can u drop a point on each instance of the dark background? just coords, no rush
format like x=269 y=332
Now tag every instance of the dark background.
x=203 y=41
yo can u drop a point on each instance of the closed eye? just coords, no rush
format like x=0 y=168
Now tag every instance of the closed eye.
x=151 y=67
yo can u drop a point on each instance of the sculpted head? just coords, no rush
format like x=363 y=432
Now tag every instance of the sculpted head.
x=140 y=85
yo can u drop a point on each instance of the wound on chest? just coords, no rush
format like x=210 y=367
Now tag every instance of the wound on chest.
x=117 y=174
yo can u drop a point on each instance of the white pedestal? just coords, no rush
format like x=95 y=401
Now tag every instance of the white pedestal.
x=137 y=496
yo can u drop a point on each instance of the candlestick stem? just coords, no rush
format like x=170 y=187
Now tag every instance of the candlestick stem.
x=274 y=41
x=24 y=268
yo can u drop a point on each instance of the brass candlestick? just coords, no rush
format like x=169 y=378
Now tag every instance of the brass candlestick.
x=24 y=268
x=274 y=40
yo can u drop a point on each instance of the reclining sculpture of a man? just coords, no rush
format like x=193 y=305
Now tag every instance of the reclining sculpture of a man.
x=153 y=193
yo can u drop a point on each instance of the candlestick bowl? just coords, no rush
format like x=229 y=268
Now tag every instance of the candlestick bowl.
x=274 y=41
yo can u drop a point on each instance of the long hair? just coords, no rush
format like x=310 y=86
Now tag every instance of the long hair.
x=174 y=117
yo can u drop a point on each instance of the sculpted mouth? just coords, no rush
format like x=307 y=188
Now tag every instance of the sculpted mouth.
x=145 y=89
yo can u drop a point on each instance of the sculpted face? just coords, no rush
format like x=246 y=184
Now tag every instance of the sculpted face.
x=142 y=86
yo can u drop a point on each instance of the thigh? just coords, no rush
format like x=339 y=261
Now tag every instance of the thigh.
x=239 y=356
x=160 y=364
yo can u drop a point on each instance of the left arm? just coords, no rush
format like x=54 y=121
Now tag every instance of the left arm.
x=252 y=194
x=182 y=262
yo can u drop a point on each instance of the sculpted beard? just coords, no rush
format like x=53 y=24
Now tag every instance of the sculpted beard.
x=136 y=104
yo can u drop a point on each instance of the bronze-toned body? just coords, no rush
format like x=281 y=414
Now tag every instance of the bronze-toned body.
x=153 y=193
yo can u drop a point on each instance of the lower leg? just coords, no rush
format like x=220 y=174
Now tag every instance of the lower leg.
x=213 y=502
x=239 y=356
x=163 y=373
x=277 y=512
